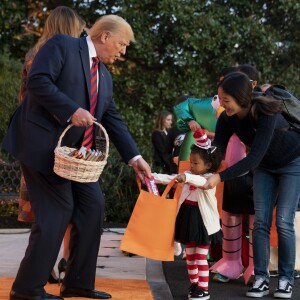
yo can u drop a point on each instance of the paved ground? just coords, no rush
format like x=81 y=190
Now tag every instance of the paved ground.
x=168 y=280
x=112 y=263
x=177 y=279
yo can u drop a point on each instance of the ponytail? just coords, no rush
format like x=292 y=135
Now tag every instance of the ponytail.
x=266 y=105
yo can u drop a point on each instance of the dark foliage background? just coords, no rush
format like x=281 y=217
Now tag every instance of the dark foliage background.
x=181 y=46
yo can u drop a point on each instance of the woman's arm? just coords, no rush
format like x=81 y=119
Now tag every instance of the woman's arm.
x=260 y=145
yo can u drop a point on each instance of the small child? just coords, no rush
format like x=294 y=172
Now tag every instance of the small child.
x=198 y=221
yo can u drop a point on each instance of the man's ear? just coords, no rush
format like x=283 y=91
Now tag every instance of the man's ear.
x=104 y=36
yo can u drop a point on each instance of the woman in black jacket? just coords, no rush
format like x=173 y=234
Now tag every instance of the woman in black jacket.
x=162 y=160
x=274 y=157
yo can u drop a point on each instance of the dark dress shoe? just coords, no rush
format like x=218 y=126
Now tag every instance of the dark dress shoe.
x=76 y=292
x=52 y=280
x=16 y=296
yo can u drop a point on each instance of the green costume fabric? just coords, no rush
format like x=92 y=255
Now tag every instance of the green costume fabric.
x=199 y=110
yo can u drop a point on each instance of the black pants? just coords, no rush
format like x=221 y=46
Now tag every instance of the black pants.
x=55 y=205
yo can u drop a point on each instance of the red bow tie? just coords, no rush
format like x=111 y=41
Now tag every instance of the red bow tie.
x=192 y=187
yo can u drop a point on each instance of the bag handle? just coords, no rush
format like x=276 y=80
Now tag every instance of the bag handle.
x=167 y=189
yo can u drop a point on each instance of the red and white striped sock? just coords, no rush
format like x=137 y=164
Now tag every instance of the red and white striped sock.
x=203 y=268
x=191 y=263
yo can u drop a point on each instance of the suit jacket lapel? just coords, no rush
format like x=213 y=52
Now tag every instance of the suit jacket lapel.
x=85 y=60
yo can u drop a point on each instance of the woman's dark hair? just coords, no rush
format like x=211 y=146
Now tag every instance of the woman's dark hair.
x=212 y=155
x=266 y=105
x=238 y=86
x=160 y=119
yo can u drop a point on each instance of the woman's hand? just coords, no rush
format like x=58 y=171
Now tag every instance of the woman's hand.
x=211 y=182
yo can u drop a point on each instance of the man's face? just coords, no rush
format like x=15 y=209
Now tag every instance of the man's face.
x=111 y=47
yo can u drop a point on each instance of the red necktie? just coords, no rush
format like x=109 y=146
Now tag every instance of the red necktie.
x=88 y=135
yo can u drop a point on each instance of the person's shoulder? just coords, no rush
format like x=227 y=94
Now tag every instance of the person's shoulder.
x=225 y=118
x=156 y=132
x=174 y=131
x=277 y=117
x=59 y=37
x=64 y=38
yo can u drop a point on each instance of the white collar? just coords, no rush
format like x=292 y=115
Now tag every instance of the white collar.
x=92 y=49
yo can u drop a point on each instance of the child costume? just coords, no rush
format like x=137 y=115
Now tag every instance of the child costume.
x=197 y=222
x=237 y=201
x=205 y=202
x=203 y=111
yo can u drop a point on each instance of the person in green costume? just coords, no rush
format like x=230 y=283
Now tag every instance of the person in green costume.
x=193 y=113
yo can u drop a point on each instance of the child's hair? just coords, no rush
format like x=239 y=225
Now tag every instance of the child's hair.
x=213 y=155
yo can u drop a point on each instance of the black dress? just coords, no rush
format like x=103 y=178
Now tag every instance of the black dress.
x=238 y=195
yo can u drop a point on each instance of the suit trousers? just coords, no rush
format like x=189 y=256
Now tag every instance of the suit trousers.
x=56 y=203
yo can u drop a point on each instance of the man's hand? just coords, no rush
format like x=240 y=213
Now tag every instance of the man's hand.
x=211 y=182
x=141 y=168
x=82 y=117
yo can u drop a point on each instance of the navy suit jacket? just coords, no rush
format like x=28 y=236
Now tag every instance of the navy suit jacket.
x=58 y=84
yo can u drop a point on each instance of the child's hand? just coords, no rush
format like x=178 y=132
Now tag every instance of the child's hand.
x=180 y=178
x=210 y=135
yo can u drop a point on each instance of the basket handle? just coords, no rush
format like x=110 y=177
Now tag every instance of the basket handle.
x=96 y=123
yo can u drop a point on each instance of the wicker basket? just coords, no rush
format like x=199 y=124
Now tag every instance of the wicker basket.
x=79 y=169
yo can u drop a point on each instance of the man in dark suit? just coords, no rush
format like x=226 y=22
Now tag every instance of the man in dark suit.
x=59 y=94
